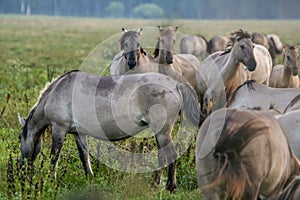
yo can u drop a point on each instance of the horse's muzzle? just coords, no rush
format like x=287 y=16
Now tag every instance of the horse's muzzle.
x=131 y=64
x=295 y=72
x=169 y=59
x=251 y=65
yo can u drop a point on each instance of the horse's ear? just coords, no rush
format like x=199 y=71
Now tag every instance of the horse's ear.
x=124 y=30
x=139 y=31
x=21 y=120
x=176 y=28
x=159 y=28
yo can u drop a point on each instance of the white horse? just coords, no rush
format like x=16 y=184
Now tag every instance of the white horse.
x=263 y=69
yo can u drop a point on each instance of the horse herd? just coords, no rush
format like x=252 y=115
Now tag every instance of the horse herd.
x=246 y=112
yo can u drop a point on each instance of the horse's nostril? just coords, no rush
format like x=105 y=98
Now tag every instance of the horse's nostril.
x=131 y=64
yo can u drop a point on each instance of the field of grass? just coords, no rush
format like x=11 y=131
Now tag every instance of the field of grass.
x=33 y=51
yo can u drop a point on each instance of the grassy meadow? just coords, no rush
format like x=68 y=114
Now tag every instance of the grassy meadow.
x=36 y=49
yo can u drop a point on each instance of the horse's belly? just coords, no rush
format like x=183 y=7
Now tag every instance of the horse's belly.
x=110 y=131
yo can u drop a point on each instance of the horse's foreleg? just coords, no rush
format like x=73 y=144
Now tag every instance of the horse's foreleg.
x=58 y=137
x=82 y=146
x=167 y=153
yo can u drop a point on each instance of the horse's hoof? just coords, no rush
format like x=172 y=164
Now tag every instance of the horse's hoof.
x=171 y=188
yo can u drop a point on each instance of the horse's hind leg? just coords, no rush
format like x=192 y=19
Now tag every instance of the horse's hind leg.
x=58 y=137
x=166 y=153
x=82 y=146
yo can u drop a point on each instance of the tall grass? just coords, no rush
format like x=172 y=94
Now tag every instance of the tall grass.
x=34 y=50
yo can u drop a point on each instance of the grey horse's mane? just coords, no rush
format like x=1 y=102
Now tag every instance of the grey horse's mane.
x=292 y=103
x=43 y=93
x=234 y=37
x=248 y=83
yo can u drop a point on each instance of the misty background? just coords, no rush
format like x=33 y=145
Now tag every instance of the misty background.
x=146 y=9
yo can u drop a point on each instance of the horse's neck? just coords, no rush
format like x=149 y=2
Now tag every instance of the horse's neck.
x=287 y=74
x=230 y=68
x=160 y=59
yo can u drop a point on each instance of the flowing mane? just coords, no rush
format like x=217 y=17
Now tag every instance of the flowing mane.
x=234 y=37
x=248 y=83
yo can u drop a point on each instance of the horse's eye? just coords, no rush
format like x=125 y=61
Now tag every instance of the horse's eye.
x=288 y=57
x=242 y=46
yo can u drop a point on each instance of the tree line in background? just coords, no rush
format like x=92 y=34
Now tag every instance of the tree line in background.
x=197 y=9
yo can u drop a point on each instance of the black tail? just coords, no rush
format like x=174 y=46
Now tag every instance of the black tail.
x=190 y=104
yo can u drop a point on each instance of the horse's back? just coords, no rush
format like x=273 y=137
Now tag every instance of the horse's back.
x=97 y=105
x=252 y=95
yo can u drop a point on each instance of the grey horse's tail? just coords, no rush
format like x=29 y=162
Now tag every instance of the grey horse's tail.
x=190 y=104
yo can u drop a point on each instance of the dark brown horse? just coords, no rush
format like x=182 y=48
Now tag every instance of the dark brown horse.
x=244 y=154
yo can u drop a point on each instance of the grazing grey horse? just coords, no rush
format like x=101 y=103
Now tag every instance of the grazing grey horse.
x=217 y=43
x=109 y=108
x=275 y=46
x=194 y=44
x=242 y=154
x=286 y=75
x=132 y=56
x=270 y=41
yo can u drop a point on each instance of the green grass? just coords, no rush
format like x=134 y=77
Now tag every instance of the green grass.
x=36 y=49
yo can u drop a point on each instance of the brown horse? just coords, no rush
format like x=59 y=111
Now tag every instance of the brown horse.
x=243 y=154
x=286 y=75
x=184 y=64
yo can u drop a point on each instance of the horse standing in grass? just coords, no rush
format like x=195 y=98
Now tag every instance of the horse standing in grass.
x=244 y=154
x=132 y=56
x=222 y=72
x=109 y=108
x=182 y=64
x=194 y=44
x=286 y=75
